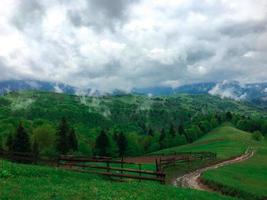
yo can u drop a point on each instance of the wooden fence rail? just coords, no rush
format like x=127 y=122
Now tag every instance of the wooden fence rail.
x=111 y=168
x=99 y=165
x=185 y=157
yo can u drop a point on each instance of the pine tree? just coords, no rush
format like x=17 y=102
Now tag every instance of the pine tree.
x=72 y=140
x=62 y=136
x=122 y=144
x=21 y=141
x=172 y=131
x=150 y=132
x=102 y=144
x=161 y=139
x=181 y=129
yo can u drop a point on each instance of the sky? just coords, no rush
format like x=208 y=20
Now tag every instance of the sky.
x=123 y=44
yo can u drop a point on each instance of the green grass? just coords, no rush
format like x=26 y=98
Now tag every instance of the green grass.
x=226 y=141
x=40 y=182
x=247 y=179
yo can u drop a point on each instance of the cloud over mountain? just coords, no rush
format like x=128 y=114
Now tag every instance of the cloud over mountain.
x=122 y=44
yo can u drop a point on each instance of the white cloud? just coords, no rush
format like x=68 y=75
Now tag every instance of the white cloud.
x=125 y=44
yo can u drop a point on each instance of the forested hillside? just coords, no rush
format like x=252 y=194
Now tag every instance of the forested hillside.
x=129 y=124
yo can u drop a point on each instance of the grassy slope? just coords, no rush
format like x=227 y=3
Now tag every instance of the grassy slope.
x=35 y=182
x=226 y=141
x=247 y=179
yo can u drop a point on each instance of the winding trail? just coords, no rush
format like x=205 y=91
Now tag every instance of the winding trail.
x=192 y=180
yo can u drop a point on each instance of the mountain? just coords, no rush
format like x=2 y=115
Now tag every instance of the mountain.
x=19 y=85
x=255 y=93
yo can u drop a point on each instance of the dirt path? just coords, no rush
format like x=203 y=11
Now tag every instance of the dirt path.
x=192 y=180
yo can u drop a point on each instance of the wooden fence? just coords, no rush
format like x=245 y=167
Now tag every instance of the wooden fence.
x=112 y=168
x=184 y=157
x=98 y=165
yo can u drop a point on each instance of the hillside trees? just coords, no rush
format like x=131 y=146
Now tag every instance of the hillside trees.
x=122 y=144
x=21 y=140
x=65 y=138
x=102 y=144
x=45 y=137
x=162 y=142
x=72 y=140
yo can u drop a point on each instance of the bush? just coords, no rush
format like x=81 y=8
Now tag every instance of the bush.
x=257 y=135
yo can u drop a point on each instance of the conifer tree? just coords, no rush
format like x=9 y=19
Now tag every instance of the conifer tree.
x=102 y=144
x=161 y=139
x=62 y=137
x=150 y=132
x=21 y=140
x=172 y=131
x=122 y=144
x=72 y=140
x=181 y=129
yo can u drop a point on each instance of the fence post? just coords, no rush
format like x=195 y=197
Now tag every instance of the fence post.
x=121 y=166
x=139 y=171
x=108 y=167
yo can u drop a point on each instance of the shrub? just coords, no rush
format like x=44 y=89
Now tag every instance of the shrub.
x=257 y=135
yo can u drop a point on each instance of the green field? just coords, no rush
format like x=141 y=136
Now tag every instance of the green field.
x=226 y=141
x=247 y=179
x=39 y=182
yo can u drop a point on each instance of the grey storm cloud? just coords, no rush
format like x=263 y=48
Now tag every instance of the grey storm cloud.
x=121 y=44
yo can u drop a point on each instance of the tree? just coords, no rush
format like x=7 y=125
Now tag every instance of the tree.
x=183 y=132
x=264 y=128
x=228 y=116
x=172 y=130
x=257 y=135
x=181 y=129
x=122 y=144
x=161 y=139
x=45 y=136
x=21 y=140
x=62 y=134
x=150 y=132
x=72 y=140
x=102 y=144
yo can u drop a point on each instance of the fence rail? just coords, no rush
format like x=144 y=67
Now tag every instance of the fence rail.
x=98 y=165
x=185 y=157
x=112 y=167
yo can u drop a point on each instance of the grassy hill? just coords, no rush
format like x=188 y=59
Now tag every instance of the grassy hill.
x=226 y=141
x=39 y=182
x=247 y=179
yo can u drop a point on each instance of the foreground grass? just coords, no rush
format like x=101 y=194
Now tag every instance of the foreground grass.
x=39 y=182
x=226 y=141
x=247 y=180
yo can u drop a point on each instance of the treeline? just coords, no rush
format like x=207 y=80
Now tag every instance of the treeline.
x=65 y=140
x=47 y=140
x=257 y=126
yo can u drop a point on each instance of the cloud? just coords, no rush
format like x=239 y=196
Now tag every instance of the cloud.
x=227 y=89
x=121 y=44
